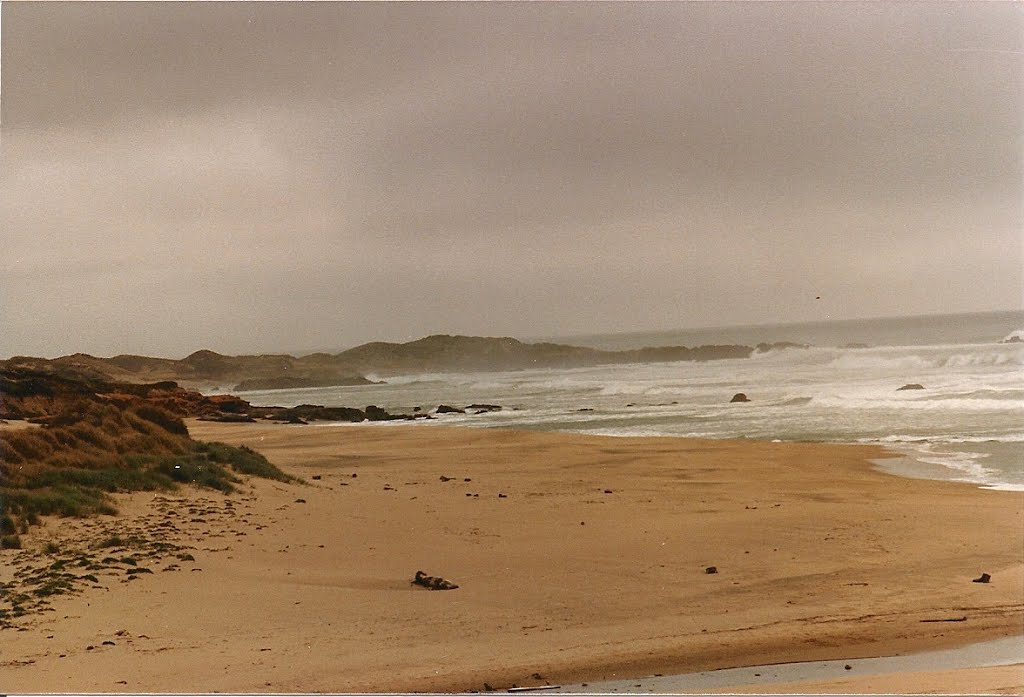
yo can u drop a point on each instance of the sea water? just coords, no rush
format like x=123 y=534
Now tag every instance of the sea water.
x=967 y=424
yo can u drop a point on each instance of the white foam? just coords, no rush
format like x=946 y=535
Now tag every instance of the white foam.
x=960 y=466
x=919 y=404
x=950 y=439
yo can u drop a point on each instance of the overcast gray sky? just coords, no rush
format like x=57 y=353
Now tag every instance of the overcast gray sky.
x=288 y=176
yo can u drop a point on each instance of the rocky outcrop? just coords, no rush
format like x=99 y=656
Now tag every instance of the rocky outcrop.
x=29 y=394
x=229 y=418
x=779 y=346
x=445 y=409
x=309 y=412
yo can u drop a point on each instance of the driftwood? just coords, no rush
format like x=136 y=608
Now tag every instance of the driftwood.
x=434 y=583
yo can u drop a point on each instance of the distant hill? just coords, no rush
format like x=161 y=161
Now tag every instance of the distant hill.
x=432 y=354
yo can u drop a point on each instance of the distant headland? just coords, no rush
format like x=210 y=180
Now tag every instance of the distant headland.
x=432 y=354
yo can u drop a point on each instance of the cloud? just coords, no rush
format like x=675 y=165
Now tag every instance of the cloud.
x=280 y=175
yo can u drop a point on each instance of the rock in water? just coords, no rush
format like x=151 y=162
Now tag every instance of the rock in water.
x=739 y=397
x=375 y=413
x=910 y=386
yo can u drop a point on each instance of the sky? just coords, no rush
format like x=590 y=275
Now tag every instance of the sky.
x=289 y=177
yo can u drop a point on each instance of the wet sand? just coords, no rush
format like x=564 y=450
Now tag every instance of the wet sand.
x=578 y=558
x=996 y=664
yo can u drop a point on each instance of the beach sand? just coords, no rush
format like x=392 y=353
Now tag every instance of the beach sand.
x=591 y=566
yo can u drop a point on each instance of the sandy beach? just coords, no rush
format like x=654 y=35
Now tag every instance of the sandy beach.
x=578 y=558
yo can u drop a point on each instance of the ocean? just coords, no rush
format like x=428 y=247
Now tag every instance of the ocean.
x=967 y=424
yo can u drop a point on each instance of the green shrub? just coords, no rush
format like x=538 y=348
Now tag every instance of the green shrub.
x=197 y=471
x=110 y=479
x=10 y=542
x=59 y=500
x=243 y=460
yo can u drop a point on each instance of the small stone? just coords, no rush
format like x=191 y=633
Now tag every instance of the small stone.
x=984 y=578
x=711 y=570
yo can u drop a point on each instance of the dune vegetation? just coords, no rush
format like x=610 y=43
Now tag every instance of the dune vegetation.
x=70 y=464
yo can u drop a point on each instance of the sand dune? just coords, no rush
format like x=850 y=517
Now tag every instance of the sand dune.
x=592 y=565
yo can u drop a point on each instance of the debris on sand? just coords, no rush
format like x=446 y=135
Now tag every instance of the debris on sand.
x=434 y=583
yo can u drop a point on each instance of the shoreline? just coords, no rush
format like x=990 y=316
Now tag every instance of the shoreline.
x=815 y=676
x=819 y=555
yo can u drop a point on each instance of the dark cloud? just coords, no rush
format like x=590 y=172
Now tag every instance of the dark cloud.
x=287 y=175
